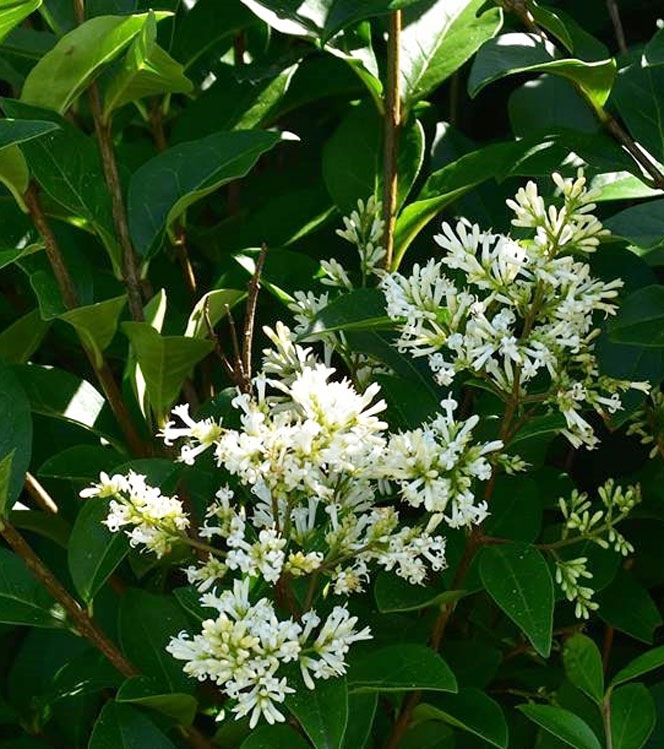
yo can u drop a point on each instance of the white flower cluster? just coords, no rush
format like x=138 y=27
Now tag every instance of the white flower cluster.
x=244 y=646
x=156 y=521
x=523 y=320
x=583 y=521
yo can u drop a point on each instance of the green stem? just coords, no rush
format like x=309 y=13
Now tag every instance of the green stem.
x=392 y=124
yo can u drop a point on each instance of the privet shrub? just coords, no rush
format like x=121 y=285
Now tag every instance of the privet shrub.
x=330 y=374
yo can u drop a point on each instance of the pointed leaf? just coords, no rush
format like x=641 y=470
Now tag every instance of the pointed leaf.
x=641 y=665
x=563 y=724
x=21 y=339
x=93 y=551
x=147 y=70
x=66 y=70
x=13 y=132
x=626 y=605
x=165 y=361
x=96 y=324
x=518 y=579
x=526 y=53
x=14 y=172
x=322 y=712
x=184 y=174
x=398 y=667
x=470 y=710
x=583 y=665
x=216 y=303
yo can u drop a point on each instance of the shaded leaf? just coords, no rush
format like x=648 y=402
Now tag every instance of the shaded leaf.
x=13 y=132
x=15 y=436
x=563 y=724
x=22 y=338
x=632 y=716
x=322 y=712
x=122 y=727
x=22 y=598
x=583 y=665
x=143 y=691
x=641 y=665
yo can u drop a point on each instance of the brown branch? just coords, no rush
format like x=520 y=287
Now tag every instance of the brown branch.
x=70 y=299
x=130 y=264
x=250 y=318
x=182 y=252
x=392 y=125
x=39 y=495
x=614 y=13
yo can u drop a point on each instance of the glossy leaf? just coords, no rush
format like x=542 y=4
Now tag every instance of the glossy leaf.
x=472 y=711
x=211 y=307
x=518 y=579
x=437 y=39
x=145 y=692
x=400 y=667
x=147 y=70
x=563 y=724
x=642 y=664
x=14 y=172
x=80 y=463
x=15 y=12
x=21 y=339
x=96 y=324
x=526 y=53
x=22 y=598
x=122 y=727
x=15 y=435
x=179 y=177
x=65 y=71
x=165 y=361
x=94 y=551
x=13 y=132
x=146 y=624
x=322 y=712
x=632 y=716
x=583 y=665
x=641 y=225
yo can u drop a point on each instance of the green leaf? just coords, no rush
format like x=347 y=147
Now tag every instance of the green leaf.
x=451 y=182
x=360 y=309
x=393 y=593
x=518 y=579
x=146 y=624
x=94 y=552
x=641 y=225
x=563 y=724
x=583 y=665
x=122 y=727
x=516 y=509
x=147 y=70
x=319 y=19
x=626 y=605
x=146 y=692
x=398 y=667
x=13 y=132
x=438 y=38
x=165 y=362
x=640 y=320
x=14 y=172
x=79 y=56
x=632 y=716
x=216 y=303
x=61 y=395
x=22 y=598
x=526 y=53
x=180 y=176
x=278 y=736
x=640 y=665
x=21 y=339
x=472 y=711
x=96 y=324
x=361 y=712
x=639 y=98
x=13 y=13
x=654 y=51
x=80 y=463
x=322 y=712
x=5 y=481
x=53 y=527
x=66 y=164
x=15 y=436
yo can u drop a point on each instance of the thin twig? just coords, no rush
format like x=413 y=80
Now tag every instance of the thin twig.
x=40 y=496
x=392 y=124
x=182 y=252
x=130 y=264
x=250 y=318
x=612 y=6
x=230 y=370
x=70 y=300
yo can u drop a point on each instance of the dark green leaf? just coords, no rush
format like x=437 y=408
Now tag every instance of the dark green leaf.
x=399 y=667
x=393 y=593
x=94 y=552
x=322 y=712
x=516 y=509
x=15 y=435
x=122 y=727
x=179 y=177
x=641 y=665
x=626 y=605
x=563 y=724
x=641 y=225
x=640 y=321
x=145 y=692
x=21 y=339
x=632 y=716
x=361 y=712
x=470 y=710
x=278 y=736
x=13 y=132
x=518 y=579
x=583 y=665
x=22 y=598
x=80 y=463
